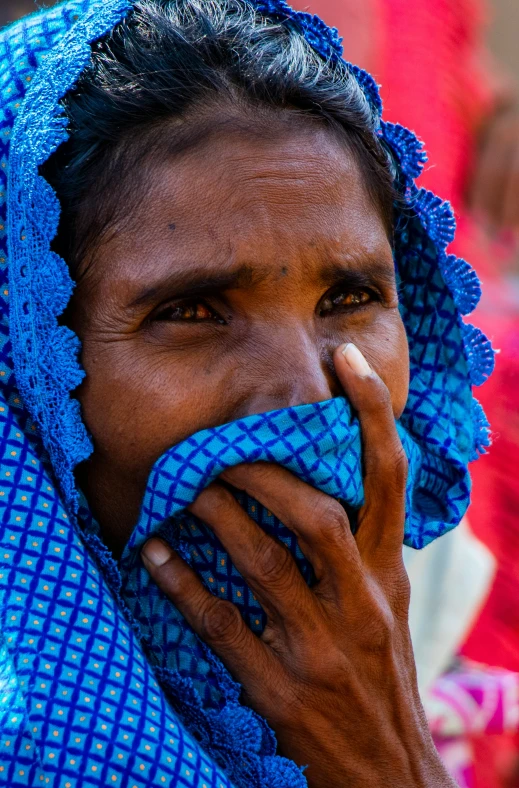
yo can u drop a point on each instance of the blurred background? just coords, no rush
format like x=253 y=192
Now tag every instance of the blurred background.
x=449 y=69
x=501 y=33
x=10 y=10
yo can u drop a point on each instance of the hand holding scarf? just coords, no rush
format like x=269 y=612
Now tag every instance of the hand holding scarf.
x=316 y=649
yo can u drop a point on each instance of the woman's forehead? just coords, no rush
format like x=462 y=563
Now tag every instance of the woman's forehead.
x=298 y=169
x=250 y=201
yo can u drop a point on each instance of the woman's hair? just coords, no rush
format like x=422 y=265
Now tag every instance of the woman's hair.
x=172 y=73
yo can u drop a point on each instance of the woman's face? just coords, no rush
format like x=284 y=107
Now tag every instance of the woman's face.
x=245 y=264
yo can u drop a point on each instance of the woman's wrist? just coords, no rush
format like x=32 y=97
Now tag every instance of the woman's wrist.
x=415 y=766
x=373 y=754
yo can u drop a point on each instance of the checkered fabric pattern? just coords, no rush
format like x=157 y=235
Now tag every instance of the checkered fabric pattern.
x=79 y=702
x=101 y=681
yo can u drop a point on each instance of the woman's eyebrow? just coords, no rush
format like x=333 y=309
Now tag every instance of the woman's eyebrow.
x=189 y=282
x=364 y=272
x=198 y=281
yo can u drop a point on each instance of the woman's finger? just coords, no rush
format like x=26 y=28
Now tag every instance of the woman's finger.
x=265 y=563
x=381 y=520
x=216 y=621
x=319 y=521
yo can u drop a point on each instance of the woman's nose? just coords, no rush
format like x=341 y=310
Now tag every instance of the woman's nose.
x=292 y=372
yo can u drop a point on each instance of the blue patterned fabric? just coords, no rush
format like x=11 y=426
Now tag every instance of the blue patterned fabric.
x=101 y=680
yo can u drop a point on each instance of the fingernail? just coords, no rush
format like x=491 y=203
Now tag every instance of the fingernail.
x=156 y=552
x=356 y=360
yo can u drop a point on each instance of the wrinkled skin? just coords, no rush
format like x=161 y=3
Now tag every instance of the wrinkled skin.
x=247 y=263
x=289 y=219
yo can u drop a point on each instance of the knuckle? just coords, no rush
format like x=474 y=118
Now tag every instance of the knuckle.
x=273 y=562
x=376 y=622
x=221 y=621
x=380 y=631
x=391 y=464
x=332 y=520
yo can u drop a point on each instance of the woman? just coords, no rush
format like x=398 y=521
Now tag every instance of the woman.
x=204 y=506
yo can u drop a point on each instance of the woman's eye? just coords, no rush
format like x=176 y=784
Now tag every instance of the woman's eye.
x=348 y=299
x=188 y=311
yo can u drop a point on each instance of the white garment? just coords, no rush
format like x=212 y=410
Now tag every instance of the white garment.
x=450 y=580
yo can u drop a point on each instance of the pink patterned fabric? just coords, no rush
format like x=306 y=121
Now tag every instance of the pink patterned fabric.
x=471 y=702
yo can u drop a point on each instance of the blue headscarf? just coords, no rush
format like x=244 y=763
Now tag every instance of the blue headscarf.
x=101 y=680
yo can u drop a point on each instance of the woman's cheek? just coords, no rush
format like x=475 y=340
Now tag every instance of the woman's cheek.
x=128 y=404
x=138 y=406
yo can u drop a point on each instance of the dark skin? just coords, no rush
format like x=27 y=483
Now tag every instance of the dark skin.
x=246 y=268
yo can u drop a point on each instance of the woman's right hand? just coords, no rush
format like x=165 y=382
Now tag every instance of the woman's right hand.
x=333 y=672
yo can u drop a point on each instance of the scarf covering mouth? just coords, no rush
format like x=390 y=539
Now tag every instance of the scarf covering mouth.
x=320 y=443
x=103 y=683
